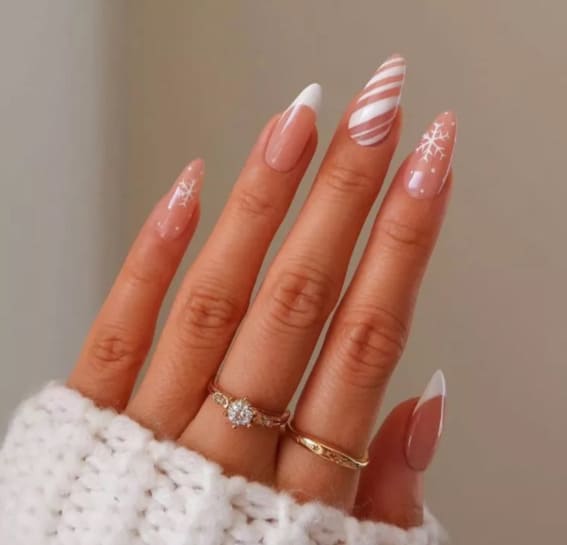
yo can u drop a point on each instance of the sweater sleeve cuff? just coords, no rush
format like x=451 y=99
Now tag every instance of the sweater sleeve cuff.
x=71 y=473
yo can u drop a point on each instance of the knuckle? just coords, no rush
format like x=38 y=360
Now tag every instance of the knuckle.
x=147 y=274
x=114 y=346
x=302 y=298
x=406 y=238
x=371 y=342
x=254 y=203
x=207 y=312
x=346 y=180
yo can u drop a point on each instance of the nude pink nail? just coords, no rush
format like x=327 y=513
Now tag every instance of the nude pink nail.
x=426 y=424
x=174 y=212
x=430 y=163
x=293 y=129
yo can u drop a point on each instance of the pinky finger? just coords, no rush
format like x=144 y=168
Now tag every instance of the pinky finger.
x=391 y=487
x=118 y=342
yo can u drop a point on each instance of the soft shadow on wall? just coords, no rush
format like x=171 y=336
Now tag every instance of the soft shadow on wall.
x=63 y=139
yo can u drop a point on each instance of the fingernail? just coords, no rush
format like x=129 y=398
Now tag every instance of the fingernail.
x=378 y=103
x=293 y=129
x=174 y=212
x=426 y=424
x=430 y=163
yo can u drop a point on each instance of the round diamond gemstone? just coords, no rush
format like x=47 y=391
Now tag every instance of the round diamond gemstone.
x=240 y=413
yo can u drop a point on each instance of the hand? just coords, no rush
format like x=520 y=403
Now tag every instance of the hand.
x=277 y=334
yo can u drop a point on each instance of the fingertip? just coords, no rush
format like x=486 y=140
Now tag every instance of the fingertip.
x=390 y=490
x=197 y=167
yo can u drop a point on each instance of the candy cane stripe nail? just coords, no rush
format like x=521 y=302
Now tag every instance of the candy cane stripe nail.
x=378 y=103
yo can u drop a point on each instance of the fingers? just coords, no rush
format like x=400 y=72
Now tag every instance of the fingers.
x=121 y=335
x=215 y=292
x=343 y=394
x=303 y=284
x=391 y=487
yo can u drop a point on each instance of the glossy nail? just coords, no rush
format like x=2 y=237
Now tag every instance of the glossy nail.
x=292 y=131
x=174 y=212
x=430 y=163
x=426 y=424
x=378 y=103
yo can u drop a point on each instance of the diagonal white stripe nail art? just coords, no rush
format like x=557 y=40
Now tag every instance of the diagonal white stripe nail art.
x=376 y=108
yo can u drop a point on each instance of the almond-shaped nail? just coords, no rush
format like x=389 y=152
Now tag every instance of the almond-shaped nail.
x=429 y=165
x=174 y=212
x=293 y=129
x=426 y=424
x=378 y=103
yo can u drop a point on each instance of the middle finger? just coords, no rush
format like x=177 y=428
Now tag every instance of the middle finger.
x=303 y=284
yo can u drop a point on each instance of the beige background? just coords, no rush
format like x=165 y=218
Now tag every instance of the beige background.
x=102 y=103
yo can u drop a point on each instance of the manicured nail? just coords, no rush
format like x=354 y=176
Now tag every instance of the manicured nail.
x=430 y=163
x=174 y=212
x=426 y=424
x=378 y=103
x=293 y=129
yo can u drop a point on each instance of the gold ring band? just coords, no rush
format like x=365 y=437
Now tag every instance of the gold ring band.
x=326 y=451
x=242 y=414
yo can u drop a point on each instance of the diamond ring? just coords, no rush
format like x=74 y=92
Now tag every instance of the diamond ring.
x=242 y=414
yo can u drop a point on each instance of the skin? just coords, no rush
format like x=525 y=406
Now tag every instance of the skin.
x=279 y=329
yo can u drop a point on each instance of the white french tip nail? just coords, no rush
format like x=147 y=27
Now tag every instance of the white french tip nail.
x=437 y=386
x=311 y=97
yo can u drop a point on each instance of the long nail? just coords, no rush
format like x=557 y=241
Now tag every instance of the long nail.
x=430 y=163
x=174 y=212
x=378 y=103
x=426 y=424
x=293 y=129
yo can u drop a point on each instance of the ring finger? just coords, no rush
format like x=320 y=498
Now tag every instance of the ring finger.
x=215 y=292
x=343 y=394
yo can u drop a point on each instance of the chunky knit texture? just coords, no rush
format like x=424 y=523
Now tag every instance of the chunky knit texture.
x=73 y=474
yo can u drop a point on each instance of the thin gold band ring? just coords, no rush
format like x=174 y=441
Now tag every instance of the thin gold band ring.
x=326 y=451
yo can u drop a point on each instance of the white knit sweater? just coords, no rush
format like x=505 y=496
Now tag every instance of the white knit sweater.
x=73 y=474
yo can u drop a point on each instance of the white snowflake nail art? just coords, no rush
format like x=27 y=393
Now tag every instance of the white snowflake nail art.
x=184 y=192
x=174 y=216
x=430 y=145
x=430 y=163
